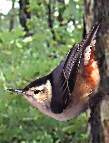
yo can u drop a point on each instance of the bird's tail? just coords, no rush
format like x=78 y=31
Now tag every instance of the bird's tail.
x=90 y=36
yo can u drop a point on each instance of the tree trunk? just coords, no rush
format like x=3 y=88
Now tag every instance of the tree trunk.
x=98 y=12
x=11 y=25
x=24 y=15
x=50 y=17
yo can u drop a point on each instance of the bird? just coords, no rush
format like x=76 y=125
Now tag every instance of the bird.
x=64 y=93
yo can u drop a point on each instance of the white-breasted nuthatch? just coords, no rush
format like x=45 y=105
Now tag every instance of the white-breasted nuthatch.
x=64 y=93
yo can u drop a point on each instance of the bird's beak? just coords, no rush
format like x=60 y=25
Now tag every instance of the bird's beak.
x=18 y=91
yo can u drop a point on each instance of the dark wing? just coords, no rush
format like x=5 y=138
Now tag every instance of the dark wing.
x=64 y=76
x=62 y=84
x=71 y=65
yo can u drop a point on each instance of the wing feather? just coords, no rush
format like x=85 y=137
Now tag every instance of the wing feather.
x=64 y=76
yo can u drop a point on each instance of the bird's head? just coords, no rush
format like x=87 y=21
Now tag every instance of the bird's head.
x=38 y=93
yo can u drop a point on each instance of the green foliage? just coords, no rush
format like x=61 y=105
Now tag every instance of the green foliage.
x=24 y=59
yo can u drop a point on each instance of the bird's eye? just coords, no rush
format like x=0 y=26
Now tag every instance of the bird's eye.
x=36 y=91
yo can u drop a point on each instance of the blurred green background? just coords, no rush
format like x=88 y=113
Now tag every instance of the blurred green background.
x=27 y=54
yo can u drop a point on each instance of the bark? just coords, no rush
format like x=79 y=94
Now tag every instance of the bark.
x=98 y=12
